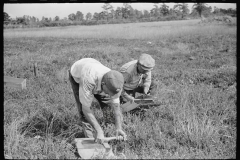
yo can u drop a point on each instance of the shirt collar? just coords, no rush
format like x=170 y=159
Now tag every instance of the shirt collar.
x=135 y=70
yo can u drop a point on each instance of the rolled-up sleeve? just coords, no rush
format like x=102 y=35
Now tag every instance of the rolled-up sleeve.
x=147 y=80
x=86 y=93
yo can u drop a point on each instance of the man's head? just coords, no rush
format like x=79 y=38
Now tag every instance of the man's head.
x=112 y=83
x=145 y=63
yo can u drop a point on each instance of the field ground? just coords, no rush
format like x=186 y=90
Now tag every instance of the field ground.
x=195 y=70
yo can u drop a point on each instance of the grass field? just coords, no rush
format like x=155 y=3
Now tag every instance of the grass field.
x=195 y=70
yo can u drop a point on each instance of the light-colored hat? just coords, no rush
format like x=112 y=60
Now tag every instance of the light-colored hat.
x=114 y=81
x=146 y=61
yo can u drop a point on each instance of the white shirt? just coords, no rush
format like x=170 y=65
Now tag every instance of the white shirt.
x=89 y=72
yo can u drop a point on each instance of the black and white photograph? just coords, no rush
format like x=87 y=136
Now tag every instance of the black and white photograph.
x=114 y=80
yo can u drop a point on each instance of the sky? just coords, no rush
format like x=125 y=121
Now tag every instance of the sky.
x=64 y=9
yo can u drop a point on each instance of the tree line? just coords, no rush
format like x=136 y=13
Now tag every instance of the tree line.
x=123 y=14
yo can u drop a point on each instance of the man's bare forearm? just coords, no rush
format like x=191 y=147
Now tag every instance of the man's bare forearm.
x=126 y=96
x=147 y=81
x=91 y=119
x=118 y=115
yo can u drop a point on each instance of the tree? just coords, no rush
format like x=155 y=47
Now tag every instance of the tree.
x=199 y=7
x=21 y=20
x=125 y=13
x=72 y=17
x=107 y=7
x=207 y=11
x=33 y=19
x=79 y=16
x=43 y=19
x=56 y=18
x=172 y=12
x=112 y=13
x=164 y=9
x=231 y=11
x=216 y=10
x=132 y=13
x=194 y=13
x=182 y=8
x=185 y=10
x=46 y=20
x=96 y=16
x=102 y=15
x=126 y=10
x=139 y=14
x=155 y=12
x=27 y=19
x=6 y=16
x=146 y=14
x=88 y=16
x=118 y=13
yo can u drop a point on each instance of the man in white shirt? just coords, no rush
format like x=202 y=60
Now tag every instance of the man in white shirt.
x=138 y=78
x=89 y=78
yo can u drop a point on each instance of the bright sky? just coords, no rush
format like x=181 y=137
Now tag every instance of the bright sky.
x=64 y=9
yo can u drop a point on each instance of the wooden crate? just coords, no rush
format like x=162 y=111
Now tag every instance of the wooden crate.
x=15 y=82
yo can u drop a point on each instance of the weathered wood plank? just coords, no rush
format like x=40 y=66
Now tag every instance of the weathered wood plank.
x=15 y=82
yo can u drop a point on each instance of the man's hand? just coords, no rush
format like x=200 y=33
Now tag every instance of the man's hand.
x=94 y=123
x=131 y=99
x=121 y=135
x=107 y=100
x=99 y=137
x=145 y=90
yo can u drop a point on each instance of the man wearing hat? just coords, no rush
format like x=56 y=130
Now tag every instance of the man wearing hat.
x=137 y=78
x=89 y=78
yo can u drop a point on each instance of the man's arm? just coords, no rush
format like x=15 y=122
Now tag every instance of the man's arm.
x=147 y=81
x=86 y=98
x=118 y=120
x=127 y=96
x=118 y=115
x=93 y=121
